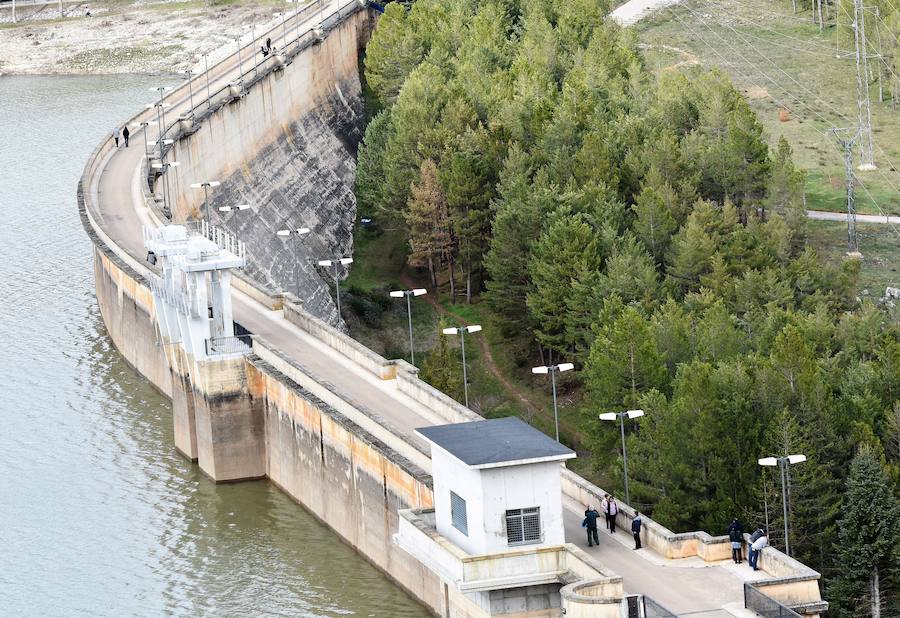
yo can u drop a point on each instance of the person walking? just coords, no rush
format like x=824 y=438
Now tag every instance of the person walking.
x=736 y=534
x=604 y=508
x=590 y=522
x=756 y=547
x=613 y=510
x=125 y=134
x=116 y=134
x=636 y=529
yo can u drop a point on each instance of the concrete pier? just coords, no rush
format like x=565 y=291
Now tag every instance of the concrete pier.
x=325 y=419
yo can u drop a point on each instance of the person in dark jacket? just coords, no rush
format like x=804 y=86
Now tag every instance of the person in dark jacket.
x=591 y=515
x=636 y=529
x=125 y=134
x=736 y=534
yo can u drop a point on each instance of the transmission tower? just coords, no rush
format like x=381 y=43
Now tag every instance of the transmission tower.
x=863 y=103
x=846 y=144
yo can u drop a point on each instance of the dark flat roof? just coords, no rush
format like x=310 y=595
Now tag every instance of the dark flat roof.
x=495 y=442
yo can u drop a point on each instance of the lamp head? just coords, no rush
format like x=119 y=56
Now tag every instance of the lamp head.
x=450 y=331
x=768 y=461
x=565 y=367
x=419 y=291
x=541 y=369
x=397 y=294
x=635 y=413
x=324 y=262
x=795 y=459
x=474 y=328
x=346 y=260
x=609 y=416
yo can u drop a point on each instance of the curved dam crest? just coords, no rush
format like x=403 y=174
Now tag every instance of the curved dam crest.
x=318 y=414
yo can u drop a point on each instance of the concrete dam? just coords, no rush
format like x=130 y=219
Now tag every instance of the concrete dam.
x=472 y=518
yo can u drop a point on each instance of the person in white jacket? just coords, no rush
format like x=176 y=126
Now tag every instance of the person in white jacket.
x=756 y=547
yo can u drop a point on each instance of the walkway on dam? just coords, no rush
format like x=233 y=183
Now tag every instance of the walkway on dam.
x=684 y=586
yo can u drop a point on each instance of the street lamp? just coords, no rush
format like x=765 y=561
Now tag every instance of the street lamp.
x=160 y=120
x=783 y=463
x=408 y=294
x=143 y=125
x=612 y=416
x=296 y=233
x=234 y=208
x=461 y=331
x=240 y=64
x=206 y=64
x=162 y=90
x=296 y=3
x=553 y=370
x=337 y=281
x=190 y=76
x=206 y=184
x=165 y=168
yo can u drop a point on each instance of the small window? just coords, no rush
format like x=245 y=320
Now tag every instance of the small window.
x=458 y=513
x=523 y=526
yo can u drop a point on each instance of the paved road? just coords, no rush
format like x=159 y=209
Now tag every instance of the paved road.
x=116 y=189
x=634 y=11
x=824 y=215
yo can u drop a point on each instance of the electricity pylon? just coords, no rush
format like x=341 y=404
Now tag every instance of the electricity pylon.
x=847 y=145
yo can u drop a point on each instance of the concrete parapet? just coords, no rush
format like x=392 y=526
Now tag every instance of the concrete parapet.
x=341 y=342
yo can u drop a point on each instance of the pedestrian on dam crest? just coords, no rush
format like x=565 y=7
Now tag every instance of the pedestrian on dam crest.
x=116 y=134
x=591 y=515
x=125 y=134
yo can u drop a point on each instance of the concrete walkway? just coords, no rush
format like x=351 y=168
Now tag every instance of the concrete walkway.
x=826 y=215
x=683 y=586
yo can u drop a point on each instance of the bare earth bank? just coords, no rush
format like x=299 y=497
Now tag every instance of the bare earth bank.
x=118 y=37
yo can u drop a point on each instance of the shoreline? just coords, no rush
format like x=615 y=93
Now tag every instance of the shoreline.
x=111 y=37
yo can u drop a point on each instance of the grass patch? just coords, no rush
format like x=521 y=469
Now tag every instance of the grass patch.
x=781 y=61
x=109 y=57
x=879 y=244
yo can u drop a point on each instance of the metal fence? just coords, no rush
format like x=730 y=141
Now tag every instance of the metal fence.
x=228 y=345
x=764 y=605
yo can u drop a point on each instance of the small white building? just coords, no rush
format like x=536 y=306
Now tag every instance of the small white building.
x=496 y=485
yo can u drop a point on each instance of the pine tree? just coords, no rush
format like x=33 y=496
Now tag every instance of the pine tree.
x=369 y=181
x=869 y=542
x=392 y=54
x=441 y=368
x=428 y=221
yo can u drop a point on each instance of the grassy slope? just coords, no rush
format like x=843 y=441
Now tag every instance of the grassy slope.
x=765 y=51
x=674 y=43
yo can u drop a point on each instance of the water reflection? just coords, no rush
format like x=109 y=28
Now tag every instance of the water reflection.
x=99 y=515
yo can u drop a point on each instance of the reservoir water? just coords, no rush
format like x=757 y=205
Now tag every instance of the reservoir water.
x=99 y=515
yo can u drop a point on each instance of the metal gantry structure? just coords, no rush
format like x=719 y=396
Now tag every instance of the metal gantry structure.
x=852 y=134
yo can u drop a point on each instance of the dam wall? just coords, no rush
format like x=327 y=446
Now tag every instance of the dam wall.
x=285 y=143
x=265 y=414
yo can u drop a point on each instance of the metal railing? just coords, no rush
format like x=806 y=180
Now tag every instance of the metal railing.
x=228 y=345
x=642 y=606
x=764 y=605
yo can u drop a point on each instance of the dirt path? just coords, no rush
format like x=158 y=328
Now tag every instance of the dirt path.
x=511 y=389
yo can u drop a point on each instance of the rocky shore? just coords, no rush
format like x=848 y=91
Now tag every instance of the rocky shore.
x=112 y=37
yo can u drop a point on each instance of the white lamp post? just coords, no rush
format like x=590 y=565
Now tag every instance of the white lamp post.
x=337 y=281
x=612 y=416
x=143 y=126
x=296 y=4
x=553 y=370
x=206 y=184
x=783 y=463
x=190 y=76
x=297 y=233
x=165 y=168
x=461 y=331
x=408 y=294
x=234 y=208
x=206 y=64
x=162 y=90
